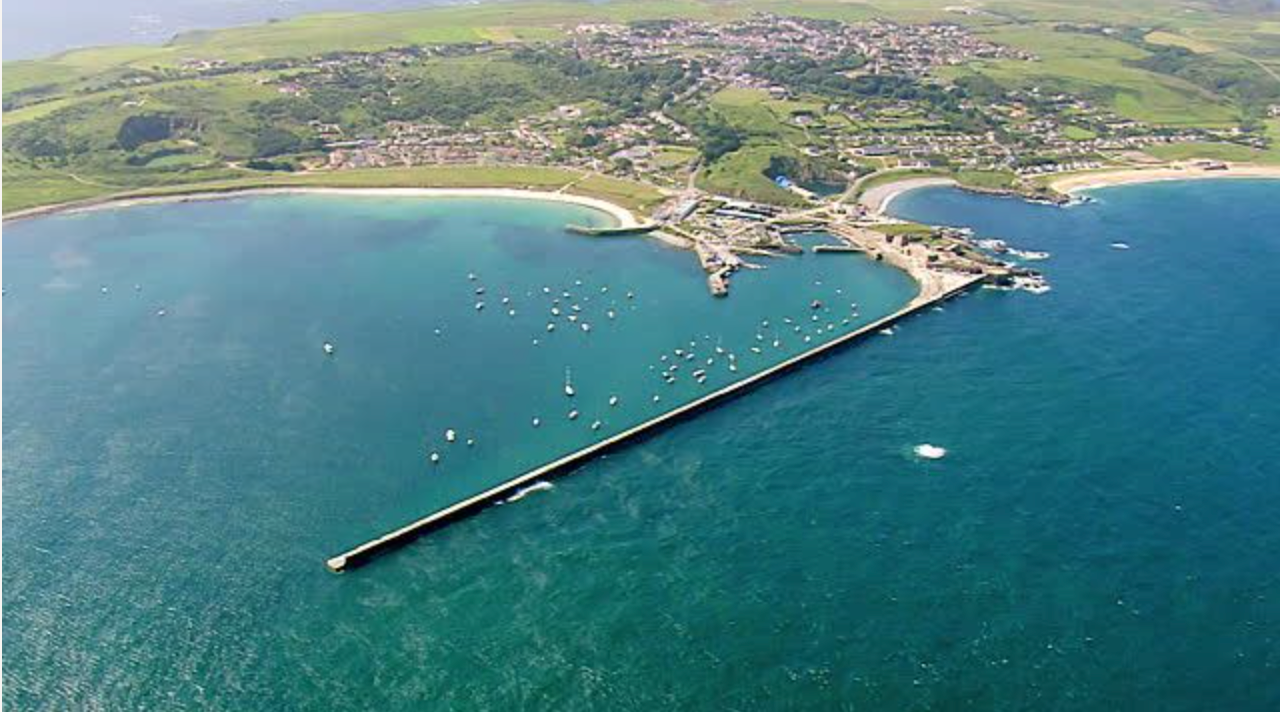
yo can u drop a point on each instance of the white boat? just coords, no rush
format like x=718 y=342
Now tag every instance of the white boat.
x=450 y=435
x=887 y=332
x=328 y=347
x=777 y=343
x=656 y=398
x=479 y=290
x=471 y=442
x=610 y=314
x=555 y=311
x=586 y=326
x=1114 y=246
x=479 y=306
x=506 y=300
x=161 y=313
x=595 y=425
x=471 y=276
x=568 y=383
x=613 y=400
x=551 y=327
x=434 y=457
x=511 y=312
x=573 y=317
x=573 y=415
x=537 y=421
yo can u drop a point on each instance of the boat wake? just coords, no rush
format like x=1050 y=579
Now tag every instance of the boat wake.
x=526 y=491
x=929 y=452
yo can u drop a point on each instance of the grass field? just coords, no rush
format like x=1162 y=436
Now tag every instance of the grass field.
x=991 y=180
x=1094 y=66
x=674 y=156
x=1215 y=151
x=1170 y=39
x=1078 y=133
x=742 y=174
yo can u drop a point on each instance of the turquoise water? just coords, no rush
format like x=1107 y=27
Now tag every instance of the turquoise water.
x=1102 y=535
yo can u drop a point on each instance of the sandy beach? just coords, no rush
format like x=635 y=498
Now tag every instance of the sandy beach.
x=624 y=217
x=1106 y=178
x=877 y=199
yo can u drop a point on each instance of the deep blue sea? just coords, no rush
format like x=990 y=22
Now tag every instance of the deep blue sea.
x=1103 y=533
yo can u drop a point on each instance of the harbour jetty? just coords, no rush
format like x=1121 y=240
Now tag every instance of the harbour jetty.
x=930 y=293
x=820 y=249
x=616 y=230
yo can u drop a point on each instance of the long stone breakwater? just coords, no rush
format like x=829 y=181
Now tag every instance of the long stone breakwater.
x=473 y=504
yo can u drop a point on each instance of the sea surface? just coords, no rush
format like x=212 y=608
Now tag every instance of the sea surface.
x=1102 y=533
x=38 y=28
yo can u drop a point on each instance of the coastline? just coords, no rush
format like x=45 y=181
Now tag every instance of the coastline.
x=1079 y=182
x=622 y=216
x=877 y=199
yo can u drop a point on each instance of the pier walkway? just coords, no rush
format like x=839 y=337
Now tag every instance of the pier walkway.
x=472 y=504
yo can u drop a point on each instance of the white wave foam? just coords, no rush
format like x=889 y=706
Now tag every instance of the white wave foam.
x=930 y=452
x=526 y=491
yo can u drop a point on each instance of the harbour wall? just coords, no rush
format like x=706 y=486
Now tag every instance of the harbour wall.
x=475 y=503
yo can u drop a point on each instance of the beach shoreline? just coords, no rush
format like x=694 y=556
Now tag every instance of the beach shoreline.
x=622 y=216
x=1080 y=182
x=878 y=199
